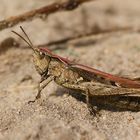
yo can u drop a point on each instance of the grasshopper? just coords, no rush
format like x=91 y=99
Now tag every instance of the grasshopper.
x=85 y=79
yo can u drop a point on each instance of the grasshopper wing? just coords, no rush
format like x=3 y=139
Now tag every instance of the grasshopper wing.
x=103 y=77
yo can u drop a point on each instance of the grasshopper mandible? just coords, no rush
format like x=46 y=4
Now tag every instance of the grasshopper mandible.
x=66 y=73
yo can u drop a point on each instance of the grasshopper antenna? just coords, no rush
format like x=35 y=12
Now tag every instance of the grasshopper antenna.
x=30 y=44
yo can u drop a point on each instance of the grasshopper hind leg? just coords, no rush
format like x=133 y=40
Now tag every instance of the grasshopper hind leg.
x=93 y=110
x=86 y=92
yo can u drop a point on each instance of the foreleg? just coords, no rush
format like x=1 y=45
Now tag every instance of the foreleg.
x=44 y=82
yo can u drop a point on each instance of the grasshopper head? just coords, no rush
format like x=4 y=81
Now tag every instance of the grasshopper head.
x=41 y=59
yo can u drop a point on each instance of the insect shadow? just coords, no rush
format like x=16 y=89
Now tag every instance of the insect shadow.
x=114 y=103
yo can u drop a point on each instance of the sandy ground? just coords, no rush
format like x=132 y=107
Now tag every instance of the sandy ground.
x=65 y=115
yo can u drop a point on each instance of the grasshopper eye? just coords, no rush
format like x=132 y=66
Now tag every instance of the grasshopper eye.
x=42 y=55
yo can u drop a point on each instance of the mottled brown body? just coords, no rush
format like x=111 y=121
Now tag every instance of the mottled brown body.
x=89 y=81
x=64 y=75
